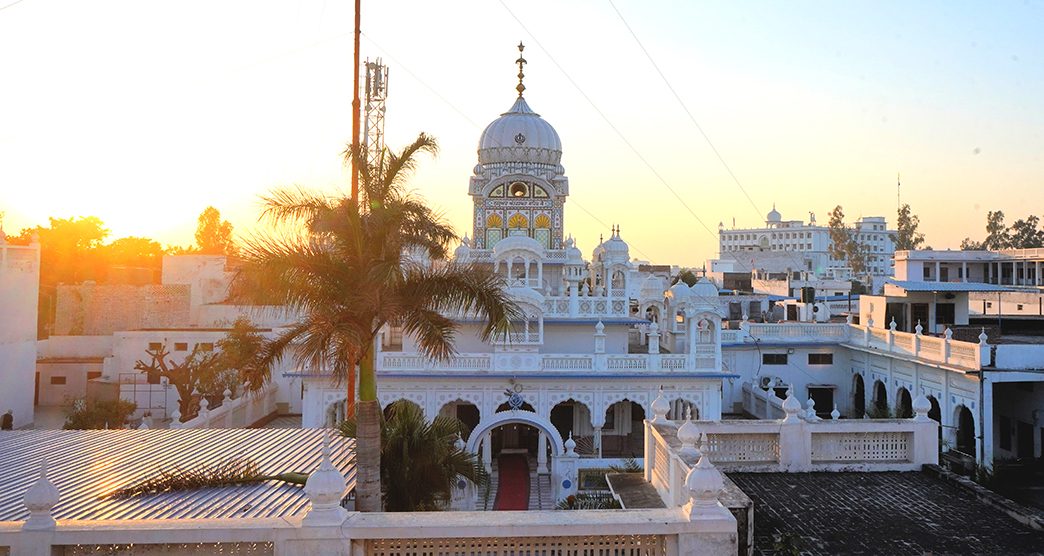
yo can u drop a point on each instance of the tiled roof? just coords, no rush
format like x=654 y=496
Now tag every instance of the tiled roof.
x=87 y=465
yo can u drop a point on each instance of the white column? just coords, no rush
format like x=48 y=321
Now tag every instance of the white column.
x=964 y=271
x=598 y=440
x=938 y=275
x=487 y=451
x=541 y=452
x=540 y=274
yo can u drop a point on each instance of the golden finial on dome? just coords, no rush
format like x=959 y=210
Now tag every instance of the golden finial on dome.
x=520 y=63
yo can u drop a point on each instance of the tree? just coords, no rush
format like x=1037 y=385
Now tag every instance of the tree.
x=214 y=235
x=135 y=252
x=686 y=276
x=1026 y=234
x=240 y=351
x=192 y=374
x=108 y=414
x=967 y=244
x=843 y=243
x=420 y=462
x=907 y=237
x=840 y=235
x=346 y=273
x=997 y=237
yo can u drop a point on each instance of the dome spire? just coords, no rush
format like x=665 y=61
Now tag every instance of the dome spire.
x=521 y=61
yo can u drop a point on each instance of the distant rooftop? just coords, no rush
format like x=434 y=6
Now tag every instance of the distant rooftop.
x=953 y=287
x=86 y=466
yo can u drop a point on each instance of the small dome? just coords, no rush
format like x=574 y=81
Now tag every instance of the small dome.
x=463 y=251
x=520 y=135
x=773 y=215
x=653 y=287
x=679 y=293
x=573 y=255
x=518 y=242
x=705 y=290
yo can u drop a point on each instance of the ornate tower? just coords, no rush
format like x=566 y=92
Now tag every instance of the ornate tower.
x=519 y=185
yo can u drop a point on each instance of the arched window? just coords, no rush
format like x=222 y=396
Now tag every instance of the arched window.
x=498 y=191
x=542 y=230
x=539 y=192
x=494 y=221
x=518 y=220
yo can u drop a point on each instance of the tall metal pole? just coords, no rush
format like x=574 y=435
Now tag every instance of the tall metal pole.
x=355 y=106
x=350 y=387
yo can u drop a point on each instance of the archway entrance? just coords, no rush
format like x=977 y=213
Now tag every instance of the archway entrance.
x=879 y=407
x=509 y=440
x=858 y=397
x=903 y=404
x=965 y=431
x=936 y=413
x=465 y=412
x=623 y=434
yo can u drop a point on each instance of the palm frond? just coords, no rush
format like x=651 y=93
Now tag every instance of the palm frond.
x=229 y=472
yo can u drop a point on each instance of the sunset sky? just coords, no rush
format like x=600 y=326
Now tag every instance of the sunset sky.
x=144 y=112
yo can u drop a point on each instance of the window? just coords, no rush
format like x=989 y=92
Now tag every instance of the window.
x=153 y=346
x=58 y=380
x=180 y=346
x=774 y=359
x=821 y=359
x=91 y=375
x=1019 y=306
x=205 y=346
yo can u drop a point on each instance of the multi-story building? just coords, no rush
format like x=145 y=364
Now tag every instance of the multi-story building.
x=808 y=245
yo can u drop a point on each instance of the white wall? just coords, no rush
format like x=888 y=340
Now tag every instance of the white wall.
x=19 y=292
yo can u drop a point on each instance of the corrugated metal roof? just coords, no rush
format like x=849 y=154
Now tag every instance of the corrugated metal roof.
x=914 y=286
x=86 y=466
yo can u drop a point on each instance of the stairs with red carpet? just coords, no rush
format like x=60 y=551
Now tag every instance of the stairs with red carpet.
x=512 y=483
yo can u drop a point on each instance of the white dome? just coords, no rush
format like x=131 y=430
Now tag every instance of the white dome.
x=774 y=215
x=573 y=254
x=518 y=242
x=679 y=293
x=520 y=135
x=705 y=290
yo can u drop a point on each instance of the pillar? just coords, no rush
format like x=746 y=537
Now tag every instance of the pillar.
x=598 y=440
x=938 y=274
x=964 y=271
x=487 y=451
x=542 y=453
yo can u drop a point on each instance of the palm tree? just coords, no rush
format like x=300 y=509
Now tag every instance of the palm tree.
x=420 y=461
x=347 y=267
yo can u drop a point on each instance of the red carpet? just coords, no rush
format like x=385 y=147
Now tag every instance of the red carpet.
x=513 y=485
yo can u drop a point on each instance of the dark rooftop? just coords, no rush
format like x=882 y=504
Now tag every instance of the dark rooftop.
x=879 y=513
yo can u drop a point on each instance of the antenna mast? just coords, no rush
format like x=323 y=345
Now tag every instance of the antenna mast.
x=376 y=96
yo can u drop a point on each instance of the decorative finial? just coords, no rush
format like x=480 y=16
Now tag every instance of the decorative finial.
x=521 y=61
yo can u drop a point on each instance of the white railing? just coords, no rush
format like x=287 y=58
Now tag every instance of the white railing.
x=825 y=333
x=654 y=532
x=397 y=362
x=237 y=413
x=945 y=350
x=790 y=445
x=762 y=404
x=587 y=306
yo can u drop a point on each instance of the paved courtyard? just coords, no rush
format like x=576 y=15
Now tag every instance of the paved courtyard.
x=879 y=513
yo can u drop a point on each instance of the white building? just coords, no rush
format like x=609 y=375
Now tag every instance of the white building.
x=808 y=245
x=19 y=292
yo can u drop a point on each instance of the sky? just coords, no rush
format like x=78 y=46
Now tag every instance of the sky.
x=145 y=112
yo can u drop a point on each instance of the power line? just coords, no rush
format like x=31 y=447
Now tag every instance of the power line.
x=606 y=118
x=11 y=4
x=686 y=109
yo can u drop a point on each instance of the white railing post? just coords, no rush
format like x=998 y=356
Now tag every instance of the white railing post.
x=866 y=331
x=654 y=347
x=926 y=436
x=984 y=348
x=703 y=484
x=321 y=529
x=918 y=330
x=794 y=439
x=204 y=413
x=599 y=347
x=947 y=338
x=175 y=419
x=891 y=335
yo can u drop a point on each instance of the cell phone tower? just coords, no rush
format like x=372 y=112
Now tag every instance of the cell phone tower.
x=376 y=97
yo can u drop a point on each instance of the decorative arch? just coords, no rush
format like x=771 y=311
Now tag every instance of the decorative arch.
x=879 y=399
x=903 y=404
x=518 y=220
x=858 y=396
x=639 y=398
x=517 y=417
x=494 y=221
x=542 y=221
